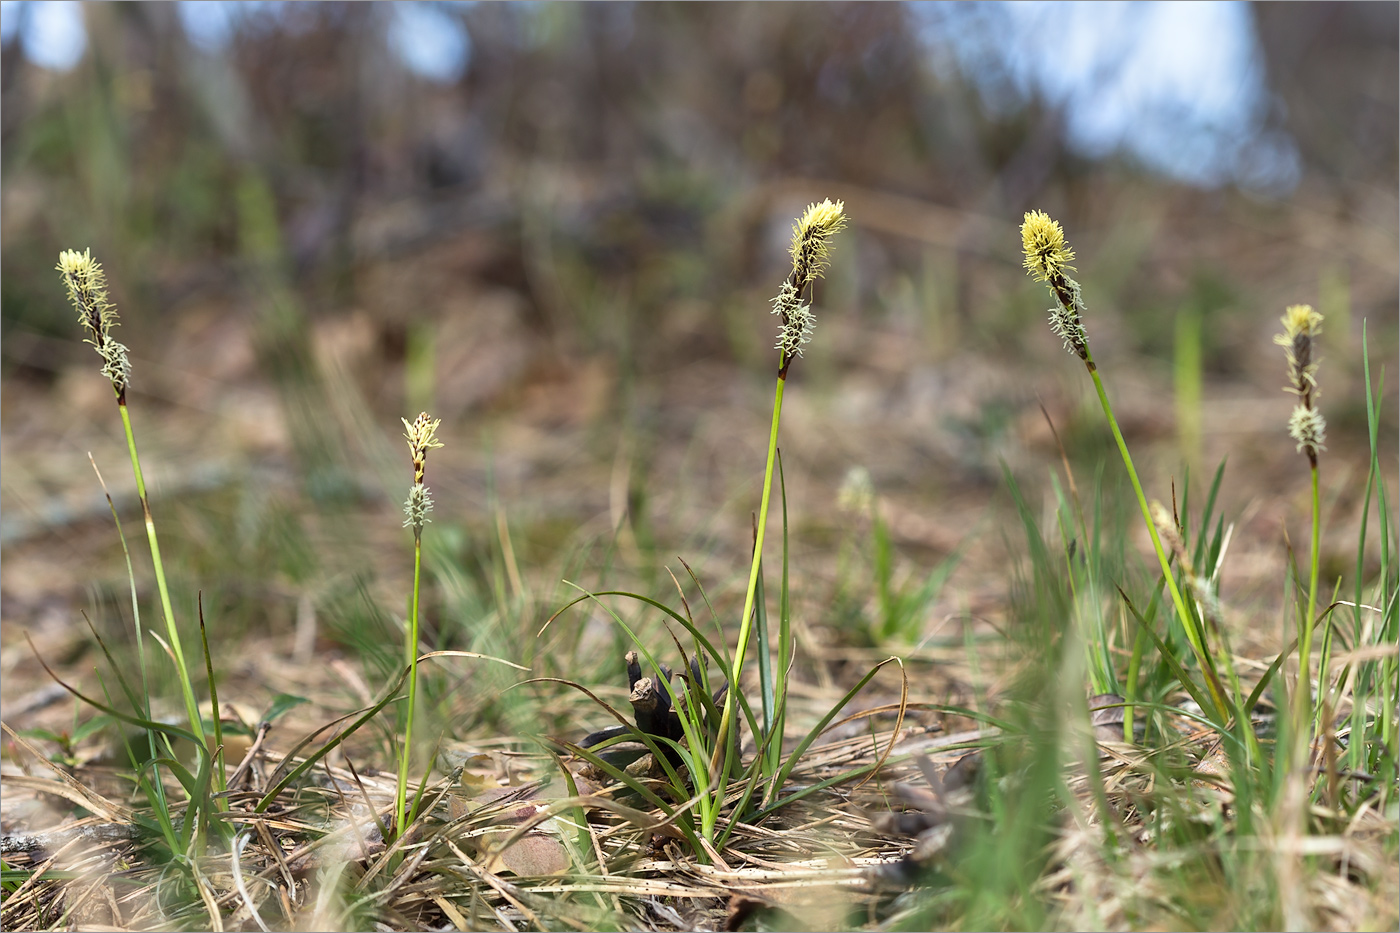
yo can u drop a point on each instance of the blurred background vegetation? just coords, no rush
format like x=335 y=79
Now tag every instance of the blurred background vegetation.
x=557 y=226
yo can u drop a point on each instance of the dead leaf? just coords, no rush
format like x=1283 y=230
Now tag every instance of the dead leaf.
x=530 y=855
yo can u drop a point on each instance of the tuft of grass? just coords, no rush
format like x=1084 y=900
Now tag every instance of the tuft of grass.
x=1047 y=256
x=691 y=730
x=85 y=282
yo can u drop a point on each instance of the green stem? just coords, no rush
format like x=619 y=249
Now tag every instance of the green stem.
x=1304 y=691
x=1130 y=689
x=1192 y=635
x=746 y=624
x=411 y=647
x=191 y=707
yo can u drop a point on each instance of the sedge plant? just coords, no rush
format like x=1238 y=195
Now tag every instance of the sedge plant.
x=421 y=434
x=86 y=284
x=811 y=238
x=702 y=738
x=1301 y=328
x=1047 y=257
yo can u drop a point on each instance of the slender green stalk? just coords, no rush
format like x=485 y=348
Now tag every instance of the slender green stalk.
x=1047 y=256
x=746 y=624
x=810 y=238
x=411 y=646
x=1194 y=636
x=1305 y=637
x=775 y=742
x=1301 y=327
x=767 y=697
x=186 y=688
x=86 y=284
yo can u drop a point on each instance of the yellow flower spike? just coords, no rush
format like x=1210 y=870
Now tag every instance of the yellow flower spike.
x=810 y=236
x=1047 y=253
x=1306 y=425
x=421 y=434
x=1299 y=319
x=1047 y=258
x=1301 y=325
x=87 y=290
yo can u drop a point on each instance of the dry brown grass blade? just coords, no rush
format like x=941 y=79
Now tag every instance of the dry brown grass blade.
x=275 y=851
x=68 y=787
x=254 y=749
x=450 y=911
x=471 y=654
x=627 y=887
x=19 y=899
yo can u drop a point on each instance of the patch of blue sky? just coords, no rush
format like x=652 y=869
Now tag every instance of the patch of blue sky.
x=427 y=38
x=51 y=32
x=430 y=40
x=1179 y=86
x=9 y=19
x=208 y=25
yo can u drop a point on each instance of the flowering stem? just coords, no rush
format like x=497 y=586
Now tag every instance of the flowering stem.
x=746 y=624
x=421 y=434
x=1194 y=636
x=191 y=707
x=1305 y=637
x=411 y=647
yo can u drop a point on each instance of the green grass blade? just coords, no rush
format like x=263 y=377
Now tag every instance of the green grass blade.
x=765 y=658
x=365 y=715
x=774 y=745
x=161 y=727
x=1168 y=656
x=218 y=753
x=791 y=761
x=1207 y=511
